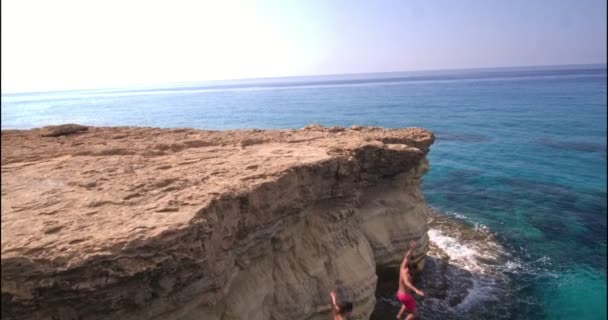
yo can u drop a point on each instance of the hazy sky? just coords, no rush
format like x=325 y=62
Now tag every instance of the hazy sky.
x=62 y=44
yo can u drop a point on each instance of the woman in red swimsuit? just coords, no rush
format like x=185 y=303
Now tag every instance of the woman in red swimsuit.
x=405 y=283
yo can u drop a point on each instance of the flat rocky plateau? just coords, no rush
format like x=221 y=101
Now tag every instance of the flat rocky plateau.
x=147 y=223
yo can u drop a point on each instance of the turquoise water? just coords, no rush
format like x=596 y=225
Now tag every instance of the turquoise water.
x=519 y=151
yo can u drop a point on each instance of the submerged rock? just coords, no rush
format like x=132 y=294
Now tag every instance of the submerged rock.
x=145 y=223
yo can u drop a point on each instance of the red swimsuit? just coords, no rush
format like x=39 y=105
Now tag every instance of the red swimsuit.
x=407 y=300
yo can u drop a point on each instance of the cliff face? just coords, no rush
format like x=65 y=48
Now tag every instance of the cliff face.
x=141 y=223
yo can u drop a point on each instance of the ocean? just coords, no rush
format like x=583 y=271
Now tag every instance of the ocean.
x=519 y=161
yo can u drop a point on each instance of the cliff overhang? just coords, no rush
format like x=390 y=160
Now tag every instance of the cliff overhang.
x=147 y=223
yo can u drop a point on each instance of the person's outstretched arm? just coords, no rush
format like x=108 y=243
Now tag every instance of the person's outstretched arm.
x=334 y=304
x=407 y=254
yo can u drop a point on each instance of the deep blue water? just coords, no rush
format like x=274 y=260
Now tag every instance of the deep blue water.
x=522 y=152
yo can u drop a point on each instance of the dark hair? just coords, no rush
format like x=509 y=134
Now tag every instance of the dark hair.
x=345 y=307
x=410 y=265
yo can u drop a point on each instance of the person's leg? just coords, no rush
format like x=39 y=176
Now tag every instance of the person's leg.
x=401 y=311
x=411 y=308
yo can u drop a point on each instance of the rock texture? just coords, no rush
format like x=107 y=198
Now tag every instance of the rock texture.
x=146 y=223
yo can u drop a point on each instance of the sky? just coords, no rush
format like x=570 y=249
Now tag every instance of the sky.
x=63 y=44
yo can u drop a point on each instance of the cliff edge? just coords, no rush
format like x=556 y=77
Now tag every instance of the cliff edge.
x=148 y=223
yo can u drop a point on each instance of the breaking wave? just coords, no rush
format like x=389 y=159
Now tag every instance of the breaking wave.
x=468 y=274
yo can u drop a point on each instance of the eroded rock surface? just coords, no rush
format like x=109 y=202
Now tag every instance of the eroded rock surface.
x=146 y=223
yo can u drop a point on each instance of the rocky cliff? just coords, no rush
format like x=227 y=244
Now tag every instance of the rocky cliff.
x=146 y=223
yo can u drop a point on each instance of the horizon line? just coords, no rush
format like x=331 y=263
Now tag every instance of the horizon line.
x=143 y=85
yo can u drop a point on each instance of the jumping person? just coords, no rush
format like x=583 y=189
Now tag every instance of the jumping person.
x=340 y=310
x=405 y=283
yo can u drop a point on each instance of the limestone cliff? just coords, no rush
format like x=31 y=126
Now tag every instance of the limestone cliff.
x=145 y=223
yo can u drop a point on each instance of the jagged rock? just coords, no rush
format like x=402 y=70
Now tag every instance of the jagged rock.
x=61 y=130
x=147 y=223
